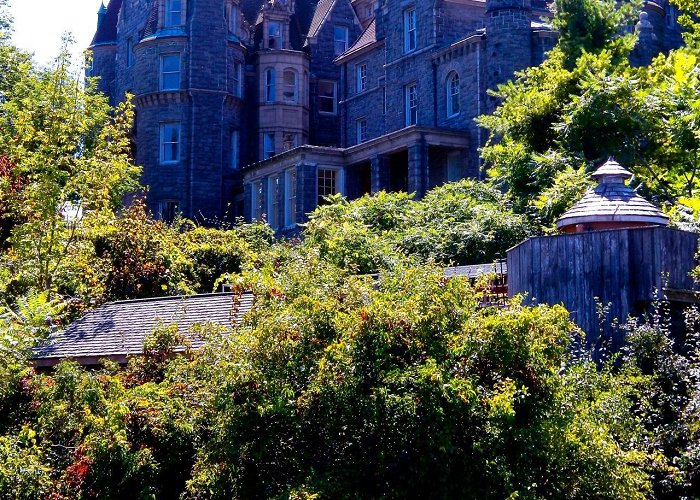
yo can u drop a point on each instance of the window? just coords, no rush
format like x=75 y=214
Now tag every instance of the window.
x=274 y=188
x=453 y=94
x=269 y=145
x=274 y=35
x=169 y=143
x=237 y=79
x=290 y=202
x=129 y=52
x=327 y=100
x=361 y=70
x=411 y=92
x=409 y=30
x=327 y=184
x=256 y=204
x=290 y=140
x=170 y=72
x=454 y=171
x=341 y=35
x=361 y=130
x=233 y=19
x=235 y=148
x=291 y=89
x=168 y=210
x=270 y=85
x=173 y=13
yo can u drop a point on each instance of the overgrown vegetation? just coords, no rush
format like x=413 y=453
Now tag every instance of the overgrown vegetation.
x=361 y=372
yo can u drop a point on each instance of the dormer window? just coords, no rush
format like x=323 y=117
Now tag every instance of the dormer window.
x=173 y=13
x=274 y=35
x=341 y=35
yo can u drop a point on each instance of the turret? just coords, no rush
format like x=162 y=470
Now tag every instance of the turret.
x=508 y=39
x=101 y=14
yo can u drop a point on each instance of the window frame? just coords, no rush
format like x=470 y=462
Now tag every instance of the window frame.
x=290 y=197
x=345 y=41
x=270 y=85
x=295 y=86
x=257 y=208
x=233 y=15
x=338 y=182
x=334 y=97
x=169 y=14
x=453 y=94
x=410 y=30
x=411 y=104
x=237 y=79
x=163 y=143
x=269 y=147
x=274 y=193
x=130 y=52
x=163 y=73
x=278 y=37
x=361 y=77
x=165 y=207
x=362 y=131
x=235 y=145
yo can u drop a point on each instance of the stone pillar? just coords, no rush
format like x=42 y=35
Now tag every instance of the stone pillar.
x=247 y=201
x=417 y=169
x=379 y=169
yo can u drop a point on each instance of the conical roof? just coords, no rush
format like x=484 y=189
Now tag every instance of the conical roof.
x=612 y=201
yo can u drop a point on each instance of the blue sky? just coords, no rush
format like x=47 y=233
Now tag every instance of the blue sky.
x=39 y=25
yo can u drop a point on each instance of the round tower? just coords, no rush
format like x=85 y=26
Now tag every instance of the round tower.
x=611 y=205
x=508 y=39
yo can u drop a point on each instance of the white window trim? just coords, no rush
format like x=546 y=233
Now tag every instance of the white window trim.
x=407 y=104
x=162 y=71
x=335 y=98
x=339 y=180
x=169 y=12
x=361 y=76
x=273 y=216
x=345 y=40
x=410 y=35
x=361 y=138
x=162 y=143
x=451 y=96
x=290 y=214
x=295 y=98
x=269 y=85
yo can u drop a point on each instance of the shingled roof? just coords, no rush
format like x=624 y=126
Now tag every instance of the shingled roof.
x=323 y=8
x=117 y=330
x=107 y=30
x=368 y=37
x=612 y=201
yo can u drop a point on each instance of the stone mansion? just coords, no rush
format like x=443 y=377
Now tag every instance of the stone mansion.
x=261 y=108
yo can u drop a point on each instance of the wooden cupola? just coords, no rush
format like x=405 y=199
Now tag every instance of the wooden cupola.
x=612 y=204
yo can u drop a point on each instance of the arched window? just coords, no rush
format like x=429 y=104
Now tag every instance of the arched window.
x=291 y=86
x=453 y=91
x=270 y=85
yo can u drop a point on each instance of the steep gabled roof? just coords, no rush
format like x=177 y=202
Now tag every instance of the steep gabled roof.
x=368 y=37
x=323 y=9
x=117 y=330
x=107 y=30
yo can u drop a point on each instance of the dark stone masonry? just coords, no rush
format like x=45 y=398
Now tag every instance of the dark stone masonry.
x=260 y=108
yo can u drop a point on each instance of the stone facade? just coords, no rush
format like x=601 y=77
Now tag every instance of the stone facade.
x=259 y=108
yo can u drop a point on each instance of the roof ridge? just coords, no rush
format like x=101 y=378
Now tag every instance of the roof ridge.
x=169 y=297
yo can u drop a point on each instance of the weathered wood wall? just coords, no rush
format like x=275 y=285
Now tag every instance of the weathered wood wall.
x=622 y=267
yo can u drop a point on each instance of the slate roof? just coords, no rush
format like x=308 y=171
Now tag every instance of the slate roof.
x=612 y=201
x=323 y=8
x=368 y=37
x=117 y=330
x=474 y=271
x=107 y=30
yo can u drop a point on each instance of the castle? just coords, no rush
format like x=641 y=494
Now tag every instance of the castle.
x=261 y=108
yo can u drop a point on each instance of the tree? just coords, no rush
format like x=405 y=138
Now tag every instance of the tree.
x=66 y=164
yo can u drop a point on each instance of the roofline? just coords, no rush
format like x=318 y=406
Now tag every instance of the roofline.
x=169 y=297
x=661 y=220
